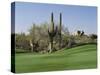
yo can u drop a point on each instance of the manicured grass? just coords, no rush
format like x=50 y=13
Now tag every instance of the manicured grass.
x=81 y=57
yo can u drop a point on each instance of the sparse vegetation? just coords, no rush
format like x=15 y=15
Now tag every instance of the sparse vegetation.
x=50 y=47
x=47 y=37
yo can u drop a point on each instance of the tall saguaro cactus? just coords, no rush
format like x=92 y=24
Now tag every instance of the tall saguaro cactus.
x=52 y=32
x=59 y=30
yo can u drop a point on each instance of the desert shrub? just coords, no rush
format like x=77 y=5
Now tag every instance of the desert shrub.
x=71 y=42
x=21 y=42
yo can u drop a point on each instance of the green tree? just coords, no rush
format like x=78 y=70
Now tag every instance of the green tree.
x=93 y=38
x=38 y=37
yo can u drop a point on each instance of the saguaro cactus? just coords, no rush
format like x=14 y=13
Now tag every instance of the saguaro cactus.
x=52 y=32
x=59 y=30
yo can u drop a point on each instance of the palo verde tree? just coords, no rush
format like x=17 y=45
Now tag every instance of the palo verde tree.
x=93 y=38
x=52 y=32
x=38 y=37
x=33 y=38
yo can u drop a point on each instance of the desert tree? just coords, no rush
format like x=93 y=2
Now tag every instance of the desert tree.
x=93 y=37
x=65 y=36
x=80 y=33
x=33 y=31
x=39 y=37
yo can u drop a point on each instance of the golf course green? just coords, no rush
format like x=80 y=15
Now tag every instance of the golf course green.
x=80 y=57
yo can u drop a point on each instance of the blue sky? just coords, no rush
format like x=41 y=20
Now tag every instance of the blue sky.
x=74 y=17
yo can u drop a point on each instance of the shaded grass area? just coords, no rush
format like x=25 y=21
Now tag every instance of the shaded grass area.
x=81 y=57
x=22 y=51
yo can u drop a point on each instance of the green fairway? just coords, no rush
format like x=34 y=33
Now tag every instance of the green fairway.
x=81 y=57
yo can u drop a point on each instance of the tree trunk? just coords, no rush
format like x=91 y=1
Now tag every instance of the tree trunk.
x=31 y=44
x=51 y=46
x=31 y=48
